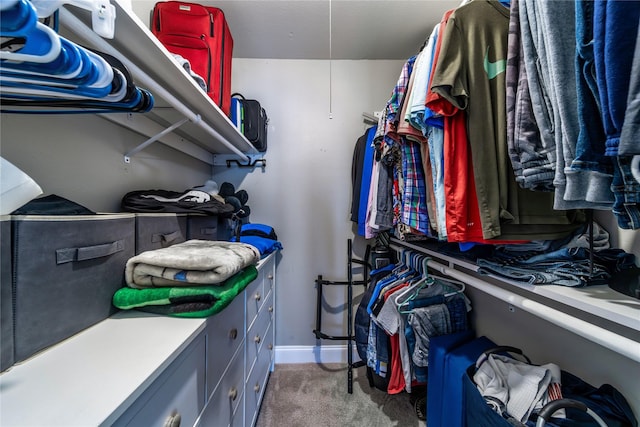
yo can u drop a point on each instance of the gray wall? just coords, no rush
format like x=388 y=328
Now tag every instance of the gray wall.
x=305 y=190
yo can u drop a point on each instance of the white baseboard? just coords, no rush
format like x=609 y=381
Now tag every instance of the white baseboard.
x=313 y=354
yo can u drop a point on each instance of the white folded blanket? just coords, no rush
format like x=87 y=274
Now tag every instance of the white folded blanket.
x=194 y=262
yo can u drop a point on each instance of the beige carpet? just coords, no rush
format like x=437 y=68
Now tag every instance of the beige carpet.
x=308 y=395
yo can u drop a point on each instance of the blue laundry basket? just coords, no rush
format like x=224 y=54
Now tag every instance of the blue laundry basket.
x=606 y=402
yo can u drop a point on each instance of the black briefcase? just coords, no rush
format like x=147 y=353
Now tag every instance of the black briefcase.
x=255 y=122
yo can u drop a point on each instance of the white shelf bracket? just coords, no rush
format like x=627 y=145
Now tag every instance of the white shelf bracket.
x=131 y=153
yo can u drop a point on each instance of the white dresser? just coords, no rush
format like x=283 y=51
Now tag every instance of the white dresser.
x=138 y=369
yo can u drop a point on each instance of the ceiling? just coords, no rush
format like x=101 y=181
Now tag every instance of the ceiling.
x=325 y=29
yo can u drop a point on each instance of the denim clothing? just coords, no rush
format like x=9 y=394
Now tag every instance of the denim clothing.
x=629 y=141
x=435 y=140
x=415 y=372
x=626 y=189
x=419 y=373
x=590 y=169
x=573 y=273
x=579 y=238
x=548 y=43
x=532 y=164
x=615 y=30
x=457 y=314
x=610 y=260
x=378 y=350
x=615 y=33
x=427 y=322
x=613 y=260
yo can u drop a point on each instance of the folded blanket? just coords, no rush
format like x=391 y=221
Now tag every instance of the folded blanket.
x=194 y=262
x=195 y=301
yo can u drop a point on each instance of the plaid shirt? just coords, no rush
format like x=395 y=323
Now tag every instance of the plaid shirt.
x=397 y=96
x=414 y=203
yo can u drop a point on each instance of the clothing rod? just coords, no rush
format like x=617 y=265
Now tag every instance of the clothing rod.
x=604 y=337
x=77 y=26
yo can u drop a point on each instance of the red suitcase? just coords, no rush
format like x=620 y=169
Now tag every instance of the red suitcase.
x=201 y=35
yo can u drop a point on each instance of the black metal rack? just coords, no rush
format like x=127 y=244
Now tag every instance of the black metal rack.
x=349 y=283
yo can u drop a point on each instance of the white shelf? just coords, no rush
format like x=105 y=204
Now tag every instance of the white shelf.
x=176 y=95
x=600 y=301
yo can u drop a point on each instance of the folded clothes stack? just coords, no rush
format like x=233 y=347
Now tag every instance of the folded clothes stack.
x=261 y=236
x=196 y=278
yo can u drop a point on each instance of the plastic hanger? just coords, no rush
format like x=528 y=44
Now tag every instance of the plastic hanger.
x=26 y=39
x=41 y=44
x=422 y=282
x=460 y=286
x=18 y=17
x=67 y=65
x=405 y=263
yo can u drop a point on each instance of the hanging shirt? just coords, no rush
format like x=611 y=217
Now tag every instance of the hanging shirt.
x=470 y=74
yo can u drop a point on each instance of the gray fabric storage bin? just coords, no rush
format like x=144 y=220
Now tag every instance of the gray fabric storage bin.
x=65 y=272
x=159 y=230
x=226 y=229
x=202 y=227
x=6 y=304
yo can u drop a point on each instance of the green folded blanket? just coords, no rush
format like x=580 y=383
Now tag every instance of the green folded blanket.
x=192 y=301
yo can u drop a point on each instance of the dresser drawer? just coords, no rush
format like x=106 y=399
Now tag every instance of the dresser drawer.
x=178 y=393
x=227 y=400
x=225 y=332
x=269 y=275
x=255 y=297
x=257 y=380
x=256 y=335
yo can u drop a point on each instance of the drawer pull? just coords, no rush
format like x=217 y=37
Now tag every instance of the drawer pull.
x=233 y=333
x=233 y=393
x=257 y=296
x=270 y=277
x=257 y=339
x=256 y=388
x=270 y=309
x=173 y=420
x=270 y=346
